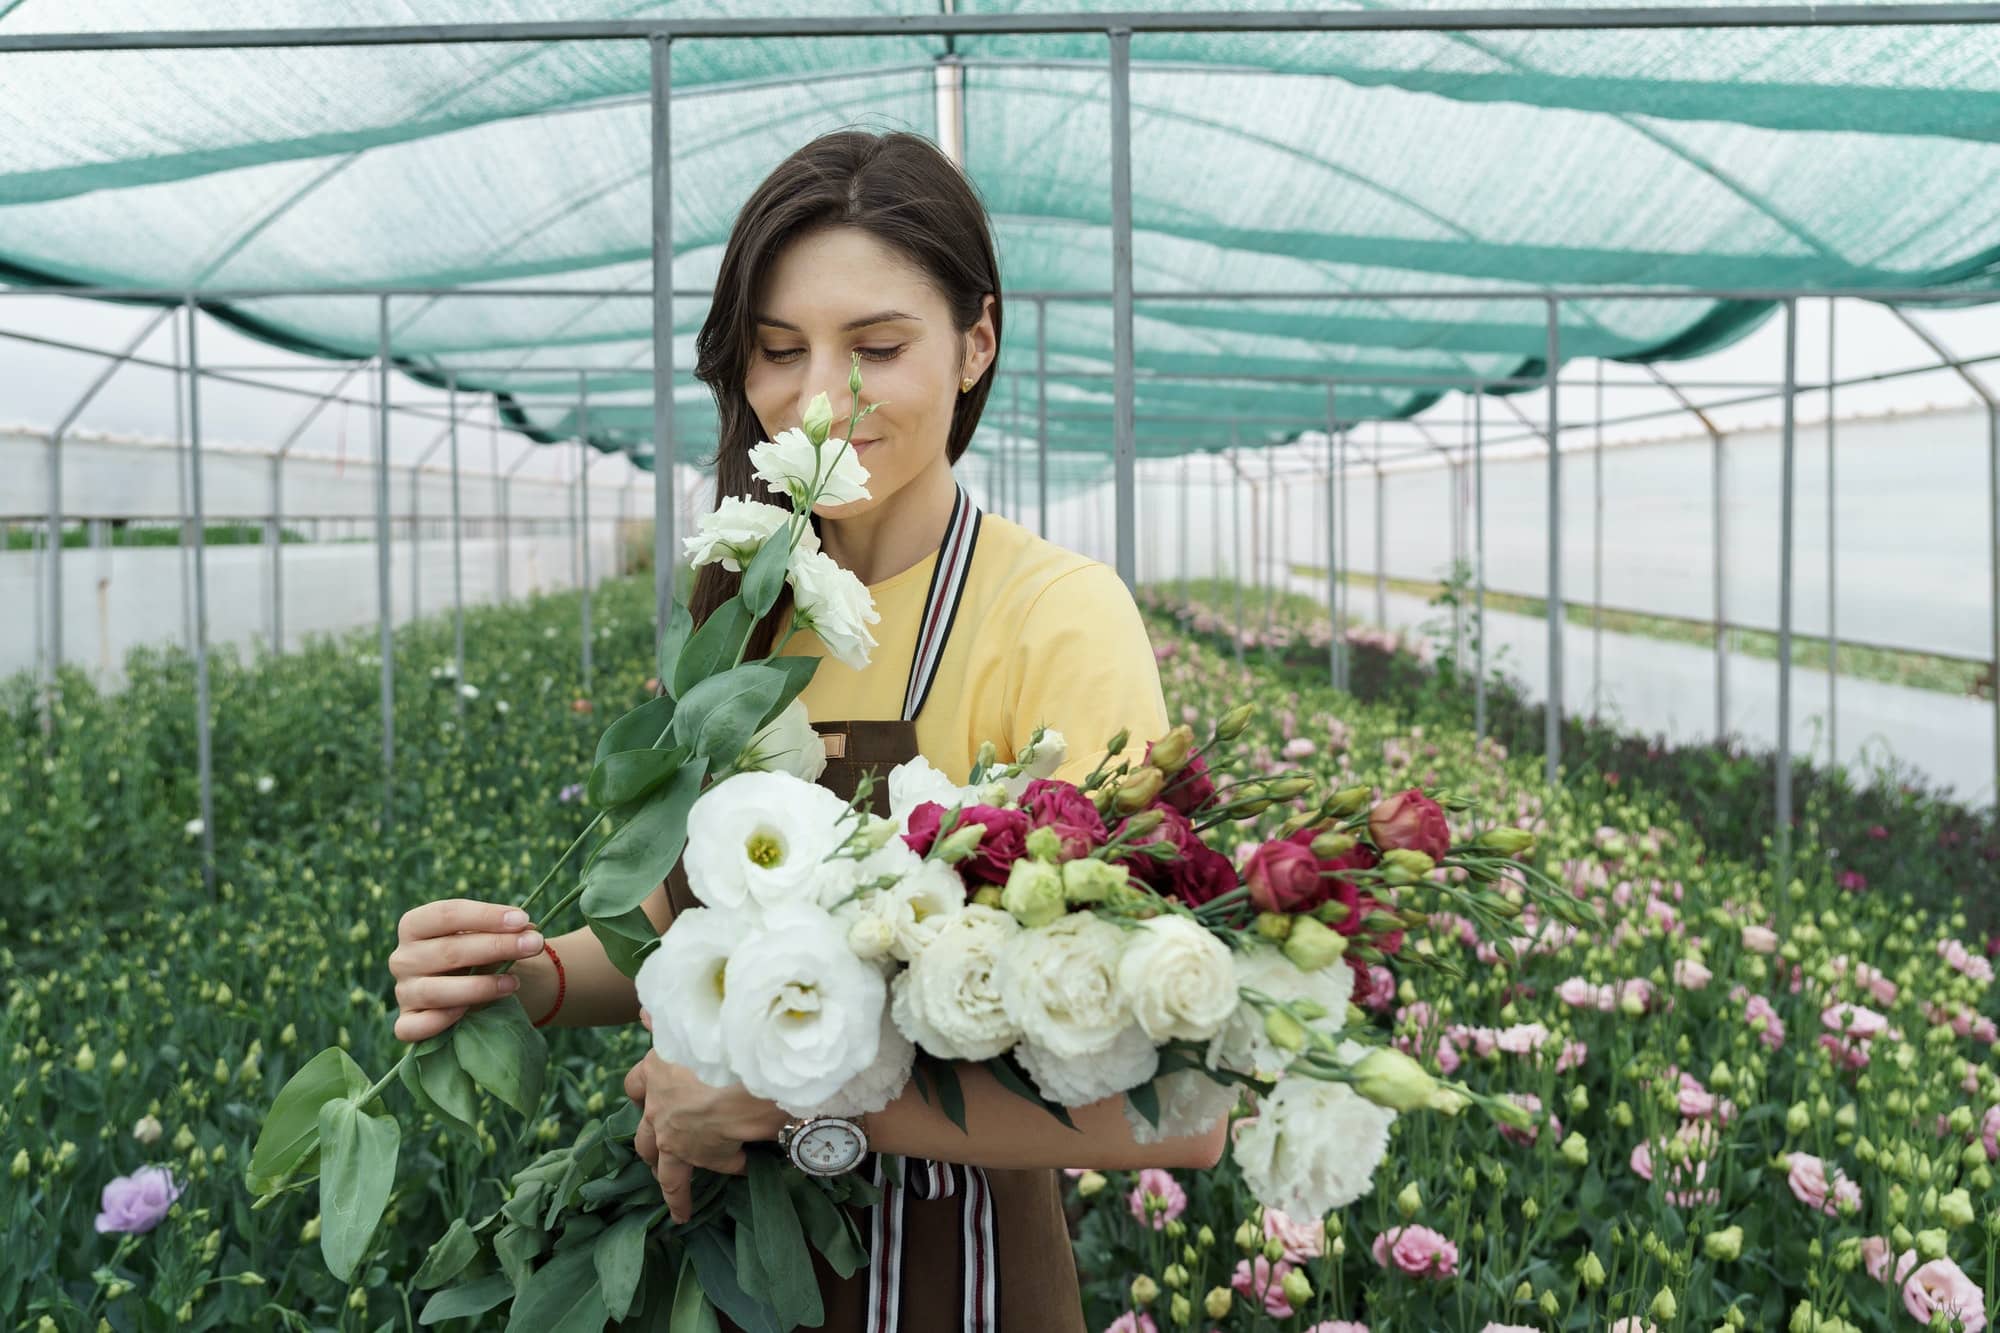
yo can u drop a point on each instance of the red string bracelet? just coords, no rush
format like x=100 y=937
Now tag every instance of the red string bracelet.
x=562 y=983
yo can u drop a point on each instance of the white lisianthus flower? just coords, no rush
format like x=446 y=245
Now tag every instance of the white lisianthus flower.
x=1313 y=1147
x=835 y=605
x=734 y=531
x=1060 y=985
x=931 y=895
x=948 y=1001
x=874 y=1087
x=1242 y=1045
x=1079 y=1080
x=788 y=745
x=1178 y=978
x=469 y=691
x=801 y=1015
x=193 y=828
x=1044 y=757
x=792 y=467
x=915 y=782
x=682 y=984
x=760 y=840
x=1189 y=1103
x=266 y=784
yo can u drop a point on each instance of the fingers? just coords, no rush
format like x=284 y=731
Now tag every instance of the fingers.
x=645 y=1018
x=423 y=1024
x=646 y=1146
x=676 y=1185
x=448 y=992
x=450 y=915
x=451 y=953
x=635 y=1082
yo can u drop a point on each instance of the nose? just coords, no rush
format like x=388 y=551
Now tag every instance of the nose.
x=827 y=373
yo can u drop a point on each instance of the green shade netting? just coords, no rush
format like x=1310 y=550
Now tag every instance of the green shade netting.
x=1318 y=164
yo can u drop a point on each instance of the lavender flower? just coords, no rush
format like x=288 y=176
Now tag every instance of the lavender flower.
x=137 y=1202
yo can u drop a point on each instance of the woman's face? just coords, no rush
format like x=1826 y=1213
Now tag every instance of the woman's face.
x=837 y=292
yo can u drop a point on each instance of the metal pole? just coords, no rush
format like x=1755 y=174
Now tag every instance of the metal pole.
x=1042 y=412
x=1381 y=539
x=1124 y=446
x=1014 y=496
x=664 y=460
x=52 y=566
x=1832 y=575
x=1186 y=533
x=1552 y=715
x=183 y=552
x=457 y=550
x=1993 y=575
x=416 y=556
x=203 y=740
x=1341 y=615
x=382 y=562
x=1718 y=560
x=1786 y=506
x=1332 y=569
x=583 y=507
x=1479 y=560
x=1236 y=540
x=1270 y=536
x=277 y=535
x=506 y=485
x=1597 y=556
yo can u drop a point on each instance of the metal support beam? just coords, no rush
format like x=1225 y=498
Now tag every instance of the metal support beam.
x=1381 y=538
x=1124 y=428
x=203 y=738
x=1334 y=642
x=1479 y=561
x=1832 y=568
x=457 y=552
x=1552 y=715
x=1786 y=506
x=276 y=535
x=1042 y=412
x=1597 y=553
x=583 y=512
x=1236 y=542
x=665 y=455
x=384 y=606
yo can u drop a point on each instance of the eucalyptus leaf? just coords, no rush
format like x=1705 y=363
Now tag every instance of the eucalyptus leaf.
x=1003 y=1069
x=673 y=640
x=828 y=1227
x=798 y=674
x=764 y=578
x=291 y=1128
x=468 y=1299
x=627 y=775
x=781 y=1243
x=1145 y=1100
x=562 y=1296
x=627 y=939
x=713 y=648
x=357 y=1171
x=639 y=854
x=715 y=1267
x=643 y=728
x=620 y=1255
x=718 y=717
x=691 y=1313
x=503 y=1053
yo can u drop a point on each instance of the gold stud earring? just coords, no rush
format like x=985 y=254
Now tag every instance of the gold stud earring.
x=965 y=386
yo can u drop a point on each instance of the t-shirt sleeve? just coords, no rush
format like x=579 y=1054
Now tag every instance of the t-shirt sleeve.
x=1085 y=667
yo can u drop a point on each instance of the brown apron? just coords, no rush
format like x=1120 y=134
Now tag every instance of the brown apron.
x=1034 y=1272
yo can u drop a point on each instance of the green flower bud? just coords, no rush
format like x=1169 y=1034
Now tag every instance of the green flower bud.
x=1723 y=1245
x=1144 y=1291
x=1298 y=1288
x=1274 y=1249
x=1410 y=1201
x=1931 y=1244
x=1087 y=880
x=1579 y=1099
x=1406 y=866
x=1183 y=1311
x=1273 y=926
x=1285 y=1032
x=1530 y=1209
x=1590 y=1270
x=1248 y=1238
x=1216 y=1303
x=1234 y=721
x=963 y=842
x=1506 y=840
x=1664 y=1307
x=1550 y=1305
x=1575 y=1149
x=1175 y=1277
x=1525 y=1293
x=1034 y=893
x=1089 y=1183
x=818 y=419
x=1327 y=846
x=1311 y=946
x=1955 y=1209
x=1349 y=801
x=21 y=1165
x=1045 y=844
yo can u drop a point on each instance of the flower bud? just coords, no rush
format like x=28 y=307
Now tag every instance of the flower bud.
x=963 y=842
x=1216 y=1303
x=1590 y=1270
x=1327 y=846
x=1798 y=1120
x=1274 y=926
x=147 y=1129
x=1298 y=1287
x=1664 y=1306
x=818 y=419
x=1312 y=946
x=1234 y=721
x=1045 y=844
x=1034 y=893
x=1138 y=790
x=1579 y=1099
x=986 y=895
x=1550 y=1305
x=1575 y=1149
x=1290 y=789
x=1183 y=1311
x=1724 y=1245
x=1274 y=1249
x=21 y=1165
x=1144 y=1291
x=1900 y=1237
x=1175 y=1277
x=1410 y=1201
x=1525 y=1293
x=1088 y=880
x=1285 y=1032
x=1530 y=1209
x=1170 y=752
x=1931 y=1244
x=1349 y=801
x=1089 y=1183
x=310 y=1231
x=1506 y=840
x=1955 y=1209
x=1406 y=866
x=86 y=1059
x=1391 y=1079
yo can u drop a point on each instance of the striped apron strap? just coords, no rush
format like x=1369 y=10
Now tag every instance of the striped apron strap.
x=926 y=1179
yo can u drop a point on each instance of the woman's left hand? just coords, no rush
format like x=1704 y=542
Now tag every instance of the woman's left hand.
x=687 y=1124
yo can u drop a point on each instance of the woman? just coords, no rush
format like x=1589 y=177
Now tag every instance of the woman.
x=877 y=246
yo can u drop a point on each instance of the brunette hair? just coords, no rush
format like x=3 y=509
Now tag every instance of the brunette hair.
x=901 y=190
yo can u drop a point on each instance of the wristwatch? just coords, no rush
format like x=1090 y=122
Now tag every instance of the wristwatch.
x=824 y=1145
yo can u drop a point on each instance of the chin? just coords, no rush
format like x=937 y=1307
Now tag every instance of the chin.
x=852 y=509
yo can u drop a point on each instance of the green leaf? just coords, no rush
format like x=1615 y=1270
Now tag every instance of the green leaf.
x=448 y=1258
x=503 y=1053
x=691 y=1313
x=629 y=774
x=517 y=1245
x=1011 y=1079
x=291 y=1127
x=638 y=855
x=673 y=640
x=949 y=1093
x=453 y=1096
x=765 y=577
x=713 y=648
x=357 y=1171
x=620 y=1254
x=461 y=1302
x=828 y=1226
x=1145 y=1100
x=781 y=1243
x=798 y=674
x=715 y=1267
x=562 y=1296
x=641 y=729
x=627 y=939
x=718 y=717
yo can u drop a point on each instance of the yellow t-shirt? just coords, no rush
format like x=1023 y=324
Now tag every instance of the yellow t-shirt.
x=1043 y=636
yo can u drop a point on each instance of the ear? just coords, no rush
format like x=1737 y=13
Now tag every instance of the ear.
x=982 y=344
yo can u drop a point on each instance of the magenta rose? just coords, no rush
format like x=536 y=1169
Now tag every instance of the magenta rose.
x=1188 y=791
x=1410 y=821
x=924 y=822
x=1050 y=804
x=1283 y=877
x=1205 y=874
x=1006 y=842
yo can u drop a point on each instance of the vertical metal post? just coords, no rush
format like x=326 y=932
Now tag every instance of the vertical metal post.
x=1236 y=540
x=1552 y=715
x=1718 y=560
x=1042 y=411
x=1832 y=573
x=1479 y=559
x=1186 y=533
x=1271 y=582
x=1341 y=615
x=1381 y=539
x=664 y=449
x=52 y=563
x=1016 y=510
x=1124 y=424
x=203 y=739
x=1597 y=555
x=457 y=547
x=382 y=562
x=1333 y=642
x=277 y=536
x=1993 y=575
x=583 y=508
x=1786 y=506
x=570 y=512
x=184 y=551
x=416 y=535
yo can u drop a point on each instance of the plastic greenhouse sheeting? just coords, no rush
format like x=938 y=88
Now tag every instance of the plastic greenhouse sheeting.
x=1317 y=164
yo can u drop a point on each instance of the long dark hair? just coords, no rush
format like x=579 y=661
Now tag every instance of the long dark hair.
x=903 y=191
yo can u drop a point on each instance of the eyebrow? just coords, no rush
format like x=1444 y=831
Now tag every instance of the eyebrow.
x=880 y=317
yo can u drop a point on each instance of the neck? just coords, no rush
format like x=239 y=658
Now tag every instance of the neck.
x=897 y=533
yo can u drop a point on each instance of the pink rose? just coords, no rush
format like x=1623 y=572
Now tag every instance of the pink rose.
x=1989 y=1133
x=1760 y=939
x=1811 y=1185
x=1379 y=992
x=1690 y=974
x=1302 y=1240
x=1283 y=877
x=1416 y=1251
x=1051 y=803
x=1261 y=1282
x=1941 y=1285
x=1155 y=1184
x=1410 y=821
x=1006 y=842
x=1875 y=1257
x=1577 y=993
x=1132 y=1321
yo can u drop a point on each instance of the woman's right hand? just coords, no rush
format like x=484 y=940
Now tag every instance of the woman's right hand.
x=436 y=942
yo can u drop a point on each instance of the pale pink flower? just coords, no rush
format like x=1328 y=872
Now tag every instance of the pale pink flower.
x=1299 y=748
x=1760 y=939
x=1302 y=1240
x=1262 y=1282
x=1509 y=1328
x=1577 y=993
x=1811 y=1185
x=1962 y=960
x=1417 y=1251
x=1529 y=1102
x=1875 y=1257
x=1573 y=1054
x=1155 y=1184
x=1132 y=1321
x=1846 y=1054
x=1632 y=1323
x=1380 y=990
x=1853 y=1020
x=1989 y=1132
x=1691 y=974
x=1522 y=1038
x=1339 y=1326
x=1772 y=1030
x=1941 y=1285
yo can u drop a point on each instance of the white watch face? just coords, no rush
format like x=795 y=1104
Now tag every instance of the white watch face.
x=828 y=1147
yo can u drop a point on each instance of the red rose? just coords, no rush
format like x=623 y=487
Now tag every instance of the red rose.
x=1410 y=821
x=1203 y=875
x=1077 y=843
x=924 y=821
x=1051 y=803
x=1006 y=842
x=1188 y=791
x=1174 y=828
x=1283 y=877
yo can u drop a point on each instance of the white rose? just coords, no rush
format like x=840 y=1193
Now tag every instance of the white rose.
x=1242 y=1045
x=735 y=530
x=1189 y=1103
x=793 y=467
x=801 y=1015
x=1079 y=1080
x=1313 y=1147
x=1060 y=984
x=948 y=1000
x=758 y=840
x=874 y=1087
x=1044 y=757
x=788 y=745
x=915 y=782
x=682 y=984
x=835 y=605
x=1178 y=978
